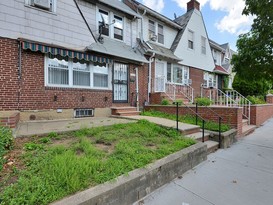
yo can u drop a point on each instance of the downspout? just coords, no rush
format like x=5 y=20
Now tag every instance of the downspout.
x=137 y=97
x=150 y=77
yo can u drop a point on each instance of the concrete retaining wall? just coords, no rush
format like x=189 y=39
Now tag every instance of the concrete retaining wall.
x=135 y=185
x=227 y=138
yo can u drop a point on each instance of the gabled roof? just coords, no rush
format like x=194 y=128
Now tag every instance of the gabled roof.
x=117 y=49
x=119 y=5
x=225 y=46
x=183 y=21
x=216 y=45
x=220 y=70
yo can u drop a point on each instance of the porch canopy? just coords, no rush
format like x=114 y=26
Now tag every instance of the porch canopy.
x=57 y=50
x=220 y=70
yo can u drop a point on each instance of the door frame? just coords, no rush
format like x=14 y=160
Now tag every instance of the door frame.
x=113 y=83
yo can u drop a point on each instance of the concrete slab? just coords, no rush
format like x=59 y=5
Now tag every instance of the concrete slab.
x=239 y=175
x=46 y=126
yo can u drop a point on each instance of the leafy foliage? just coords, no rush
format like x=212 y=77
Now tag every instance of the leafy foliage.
x=6 y=143
x=255 y=48
x=256 y=100
x=165 y=102
x=202 y=101
x=251 y=87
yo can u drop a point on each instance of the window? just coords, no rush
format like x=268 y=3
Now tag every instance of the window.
x=64 y=72
x=160 y=34
x=210 y=80
x=104 y=19
x=190 y=39
x=177 y=74
x=118 y=28
x=58 y=73
x=100 y=76
x=151 y=28
x=81 y=74
x=203 y=45
x=217 y=57
x=47 y=5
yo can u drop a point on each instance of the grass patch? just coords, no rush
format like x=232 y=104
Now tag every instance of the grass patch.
x=209 y=125
x=93 y=156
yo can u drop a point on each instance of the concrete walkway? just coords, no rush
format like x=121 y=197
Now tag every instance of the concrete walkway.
x=44 y=127
x=240 y=175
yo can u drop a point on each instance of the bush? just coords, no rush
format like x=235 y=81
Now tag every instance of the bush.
x=202 y=101
x=165 y=102
x=6 y=143
x=256 y=99
x=180 y=102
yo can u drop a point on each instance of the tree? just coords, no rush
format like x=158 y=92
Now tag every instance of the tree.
x=255 y=48
x=251 y=87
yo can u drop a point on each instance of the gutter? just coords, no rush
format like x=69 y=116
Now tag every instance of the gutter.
x=149 y=77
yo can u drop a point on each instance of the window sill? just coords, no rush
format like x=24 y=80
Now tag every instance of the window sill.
x=38 y=9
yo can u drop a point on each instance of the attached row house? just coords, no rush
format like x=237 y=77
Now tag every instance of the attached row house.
x=81 y=58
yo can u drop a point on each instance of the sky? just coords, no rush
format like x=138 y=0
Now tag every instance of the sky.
x=223 y=18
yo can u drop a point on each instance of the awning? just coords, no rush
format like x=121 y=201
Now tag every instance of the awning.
x=220 y=70
x=54 y=50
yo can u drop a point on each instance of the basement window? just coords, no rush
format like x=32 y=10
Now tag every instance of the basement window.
x=83 y=112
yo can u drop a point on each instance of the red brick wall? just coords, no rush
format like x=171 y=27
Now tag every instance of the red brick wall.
x=8 y=74
x=197 y=77
x=10 y=121
x=32 y=93
x=231 y=115
x=260 y=113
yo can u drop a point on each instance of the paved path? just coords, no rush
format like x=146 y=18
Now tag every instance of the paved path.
x=240 y=175
x=44 y=127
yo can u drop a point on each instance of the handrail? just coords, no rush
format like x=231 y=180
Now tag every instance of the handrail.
x=196 y=115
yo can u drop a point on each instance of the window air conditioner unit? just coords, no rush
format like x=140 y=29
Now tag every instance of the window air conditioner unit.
x=45 y=4
x=153 y=37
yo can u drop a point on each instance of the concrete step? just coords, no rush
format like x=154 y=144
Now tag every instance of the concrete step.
x=212 y=146
x=248 y=129
x=191 y=130
x=198 y=136
x=244 y=122
x=124 y=111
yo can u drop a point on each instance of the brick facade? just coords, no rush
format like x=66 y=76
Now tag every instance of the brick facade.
x=10 y=119
x=197 y=77
x=30 y=93
x=260 y=113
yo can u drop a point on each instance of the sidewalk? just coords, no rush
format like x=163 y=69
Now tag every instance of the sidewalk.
x=44 y=127
x=239 y=175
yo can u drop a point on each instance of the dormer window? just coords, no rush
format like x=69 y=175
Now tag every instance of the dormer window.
x=190 y=39
x=104 y=20
x=118 y=28
x=156 y=32
x=110 y=24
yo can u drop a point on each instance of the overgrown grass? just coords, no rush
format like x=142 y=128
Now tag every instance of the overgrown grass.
x=209 y=125
x=54 y=171
x=6 y=143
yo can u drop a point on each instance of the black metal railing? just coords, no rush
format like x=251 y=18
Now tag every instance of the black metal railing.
x=219 y=122
x=196 y=116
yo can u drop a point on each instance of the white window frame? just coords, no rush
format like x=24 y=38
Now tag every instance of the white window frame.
x=111 y=27
x=52 y=10
x=70 y=70
x=191 y=39
x=210 y=80
x=185 y=69
x=156 y=31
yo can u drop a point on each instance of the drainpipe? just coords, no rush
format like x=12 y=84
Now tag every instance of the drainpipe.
x=149 y=77
x=137 y=97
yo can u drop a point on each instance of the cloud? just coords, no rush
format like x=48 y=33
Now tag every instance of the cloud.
x=157 y=5
x=233 y=22
x=183 y=3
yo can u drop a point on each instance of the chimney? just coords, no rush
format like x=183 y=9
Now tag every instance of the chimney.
x=193 y=4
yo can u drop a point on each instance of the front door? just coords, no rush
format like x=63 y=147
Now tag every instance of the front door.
x=120 y=83
x=159 y=77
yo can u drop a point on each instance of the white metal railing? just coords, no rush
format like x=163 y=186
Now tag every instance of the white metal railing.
x=172 y=90
x=241 y=101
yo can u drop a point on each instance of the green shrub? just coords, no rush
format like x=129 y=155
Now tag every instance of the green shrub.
x=202 y=101
x=6 y=143
x=256 y=99
x=165 y=102
x=180 y=102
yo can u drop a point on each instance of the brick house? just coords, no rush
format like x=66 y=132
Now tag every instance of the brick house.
x=66 y=58
x=173 y=47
